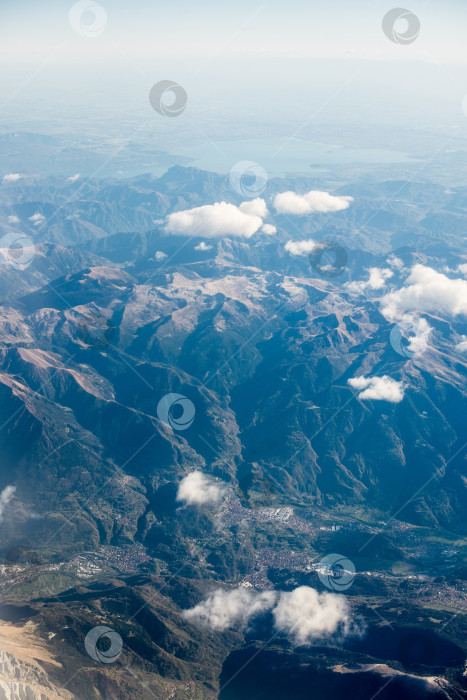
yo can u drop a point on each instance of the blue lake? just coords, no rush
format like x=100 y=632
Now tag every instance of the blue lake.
x=285 y=156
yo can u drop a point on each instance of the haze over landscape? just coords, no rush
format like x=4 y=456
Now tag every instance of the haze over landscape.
x=233 y=350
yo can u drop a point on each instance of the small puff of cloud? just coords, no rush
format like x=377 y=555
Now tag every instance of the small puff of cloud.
x=395 y=262
x=5 y=497
x=12 y=177
x=13 y=219
x=300 y=247
x=382 y=388
x=421 y=330
x=197 y=489
x=217 y=220
x=269 y=229
x=73 y=178
x=426 y=290
x=203 y=246
x=160 y=255
x=376 y=280
x=223 y=609
x=37 y=218
x=303 y=614
x=309 y=203
x=462 y=345
x=255 y=207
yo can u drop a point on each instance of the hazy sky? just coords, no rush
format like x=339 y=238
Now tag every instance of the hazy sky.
x=147 y=29
x=254 y=59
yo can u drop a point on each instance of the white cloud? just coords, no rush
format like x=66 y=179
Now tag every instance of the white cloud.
x=73 y=178
x=462 y=345
x=196 y=489
x=378 y=277
x=159 y=255
x=37 y=218
x=306 y=615
x=421 y=330
x=223 y=609
x=214 y=220
x=255 y=207
x=13 y=219
x=309 y=203
x=462 y=268
x=303 y=614
x=269 y=229
x=426 y=290
x=203 y=246
x=376 y=280
x=382 y=388
x=5 y=497
x=300 y=247
x=395 y=262
x=12 y=177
